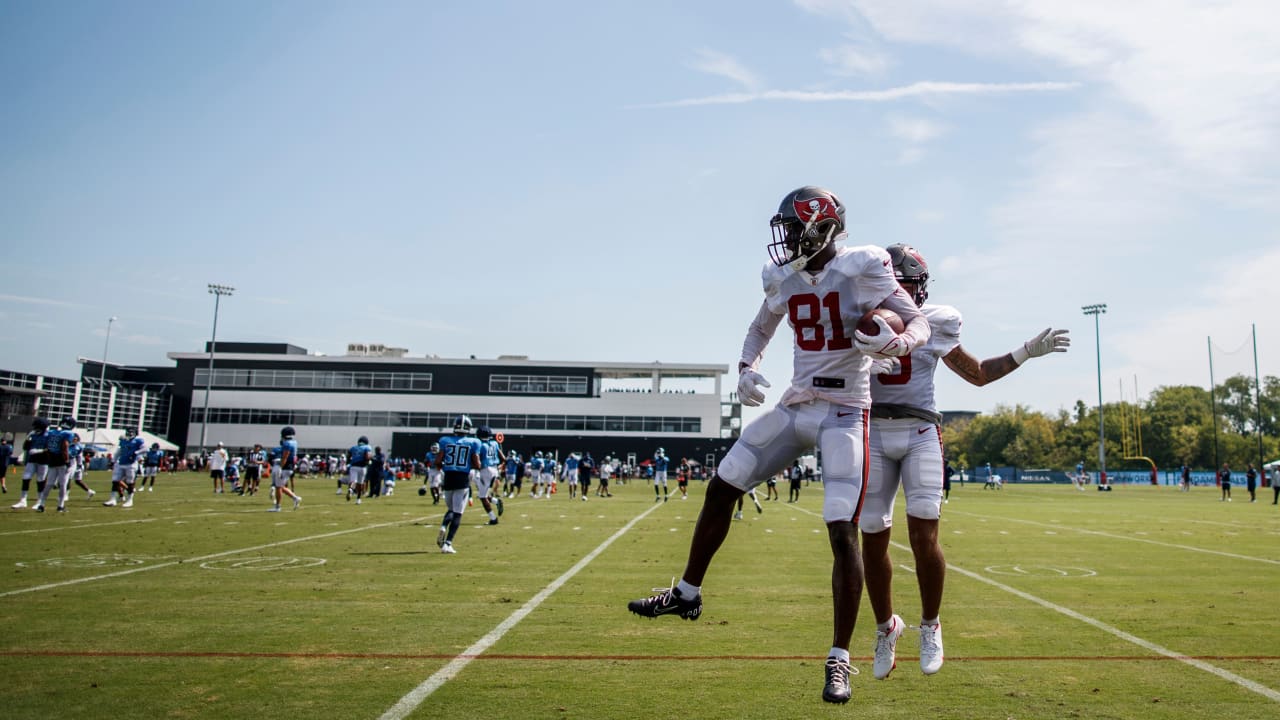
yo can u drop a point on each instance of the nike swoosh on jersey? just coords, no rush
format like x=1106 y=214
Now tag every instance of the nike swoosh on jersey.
x=923 y=430
x=843 y=414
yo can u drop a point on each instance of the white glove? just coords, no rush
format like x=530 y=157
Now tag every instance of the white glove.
x=886 y=366
x=749 y=384
x=1046 y=342
x=885 y=344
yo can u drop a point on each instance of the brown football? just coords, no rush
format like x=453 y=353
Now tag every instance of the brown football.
x=867 y=325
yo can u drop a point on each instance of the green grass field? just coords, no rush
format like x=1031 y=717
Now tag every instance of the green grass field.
x=1141 y=603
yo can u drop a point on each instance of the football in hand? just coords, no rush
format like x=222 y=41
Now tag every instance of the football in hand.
x=867 y=324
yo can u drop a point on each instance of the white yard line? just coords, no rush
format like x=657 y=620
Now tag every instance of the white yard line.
x=1227 y=675
x=415 y=697
x=157 y=566
x=1114 y=536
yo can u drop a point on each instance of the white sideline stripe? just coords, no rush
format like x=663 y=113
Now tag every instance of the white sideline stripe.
x=415 y=697
x=201 y=558
x=1122 y=537
x=1227 y=675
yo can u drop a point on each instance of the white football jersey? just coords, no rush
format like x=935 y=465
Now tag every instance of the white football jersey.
x=823 y=310
x=913 y=384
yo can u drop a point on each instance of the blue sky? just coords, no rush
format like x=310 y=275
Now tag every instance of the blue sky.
x=593 y=180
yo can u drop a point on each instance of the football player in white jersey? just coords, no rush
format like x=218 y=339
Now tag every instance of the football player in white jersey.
x=822 y=290
x=906 y=450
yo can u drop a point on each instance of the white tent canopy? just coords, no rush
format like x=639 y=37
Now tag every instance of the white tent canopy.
x=110 y=437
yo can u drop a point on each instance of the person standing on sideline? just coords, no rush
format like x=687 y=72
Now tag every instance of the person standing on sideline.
x=218 y=468
x=906 y=452
x=660 y=462
x=33 y=458
x=253 y=469
x=585 y=466
x=1224 y=479
x=795 y=474
x=606 y=472
x=1186 y=477
x=1251 y=483
x=358 y=457
x=947 y=472
x=125 y=469
x=822 y=291
x=284 y=462
x=379 y=469
x=459 y=455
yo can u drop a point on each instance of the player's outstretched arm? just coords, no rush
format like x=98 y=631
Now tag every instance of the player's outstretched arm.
x=980 y=372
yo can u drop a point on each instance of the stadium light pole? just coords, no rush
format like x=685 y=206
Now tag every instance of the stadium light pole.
x=217 y=291
x=102 y=376
x=1095 y=311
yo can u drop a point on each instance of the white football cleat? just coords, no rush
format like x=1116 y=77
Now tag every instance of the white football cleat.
x=930 y=648
x=21 y=504
x=886 y=650
x=447 y=549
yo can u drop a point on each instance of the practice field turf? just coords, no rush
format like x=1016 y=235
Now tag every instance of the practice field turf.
x=1142 y=603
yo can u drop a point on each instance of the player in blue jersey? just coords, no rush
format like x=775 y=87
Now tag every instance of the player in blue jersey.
x=660 y=462
x=151 y=467
x=33 y=451
x=358 y=457
x=491 y=458
x=515 y=468
x=548 y=475
x=58 y=460
x=459 y=455
x=435 y=476
x=128 y=452
x=285 y=460
x=6 y=456
x=570 y=473
x=535 y=475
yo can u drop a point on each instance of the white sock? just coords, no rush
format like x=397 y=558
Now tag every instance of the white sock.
x=687 y=591
x=493 y=515
x=839 y=653
x=935 y=621
x=885 y=626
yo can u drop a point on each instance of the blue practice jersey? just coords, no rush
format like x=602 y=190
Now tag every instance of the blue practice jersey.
x=35 y=445
x=153 y=458
x=456 y=452
x=359 y=454
x=571 y=464
x=660 y=462
x=536 y=465
x=492 y=455
x=513 y=464
x=54 y=439
x=129 y=450
x=287 y=453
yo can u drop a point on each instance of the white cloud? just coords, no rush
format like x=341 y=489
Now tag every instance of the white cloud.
x=715 y=63
x=849 y=60
x=922 y=89
x=915 y=130
x=28 y=300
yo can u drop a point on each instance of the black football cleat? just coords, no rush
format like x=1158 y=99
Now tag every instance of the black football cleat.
x=667 y=603
x=837 y=688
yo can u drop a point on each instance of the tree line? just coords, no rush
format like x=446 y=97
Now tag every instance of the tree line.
x=1175 y=424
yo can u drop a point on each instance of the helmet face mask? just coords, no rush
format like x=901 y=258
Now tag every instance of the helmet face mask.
x=809 y=220
x=911 y=271
x=435 y=447
x=68 y=423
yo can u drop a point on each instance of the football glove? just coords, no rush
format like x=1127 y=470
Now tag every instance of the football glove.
x=1046 y=342
x=886 y=366
x=877 y=346
x=749 y=384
